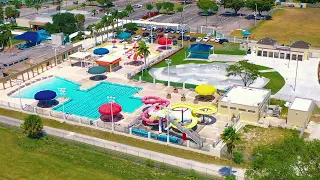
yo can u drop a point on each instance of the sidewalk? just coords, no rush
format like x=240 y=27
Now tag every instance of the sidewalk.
x=212 y=169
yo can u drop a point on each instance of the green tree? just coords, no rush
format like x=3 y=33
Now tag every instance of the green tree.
x=149 y=7
x=262 y=5
x=129 y=8
x=11 y=12
x=179 y=8
x=59 y=5
x=1 y=14
x=83 y=5
x=16 y=3
x=5 y=35
x=143 y=50
x=80 y=18
x=290 y=159
x=32 y=125
x=28 y=3
x=99 y=28
x=159 y=6
x=230 y=137
x=206 y=6
x=131 y=26
x=104 y=2
x=168 y=6
x=63 y=22
x=106 y=21
x=310 y=1
x=37 y=6
x=236 y=5
x=248 y=72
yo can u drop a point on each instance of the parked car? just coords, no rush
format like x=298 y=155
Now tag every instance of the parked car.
x=199 y=39
x=137 y=6
x=174 y=42
x=167 y=30
x=146 y=39
x=173 y=31
x=154 y=40
x=178 y=31
x=137 y=38
x=180 y=38
x=227 y=13
x=159 y=36
x=144 y=28
x=160 y=30
x=186 y=38
x=145 y=34
x=216 y=39
x=221 y=41
x=193 y=39
x=172 y=37
x=206 y=39
x=205 y=14
x=183 y=31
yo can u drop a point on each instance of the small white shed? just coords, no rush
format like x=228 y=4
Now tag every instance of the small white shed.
x=300 y=112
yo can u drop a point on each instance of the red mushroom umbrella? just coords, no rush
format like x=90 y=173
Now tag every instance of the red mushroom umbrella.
x=164 y=41
x=106 y=109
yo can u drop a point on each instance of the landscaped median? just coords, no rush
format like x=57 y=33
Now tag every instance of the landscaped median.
x=122 y=139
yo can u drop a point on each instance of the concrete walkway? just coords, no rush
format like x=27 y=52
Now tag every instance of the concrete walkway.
x=212 y=169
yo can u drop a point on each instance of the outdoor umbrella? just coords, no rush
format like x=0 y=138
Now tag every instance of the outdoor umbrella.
x=97 y=70
x=34 y=37
x=105 y=109
x=245 y=33
x=164 y=41
x=101 y=51
x=45 y=95
x=124 y=35
x=205 y=89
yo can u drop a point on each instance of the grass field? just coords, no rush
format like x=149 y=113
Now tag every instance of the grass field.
x=54 y=158
x=276 y=81
x=291 y=24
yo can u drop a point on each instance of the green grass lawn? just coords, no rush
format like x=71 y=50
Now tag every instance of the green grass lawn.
x=55 y=158
x=276 y=81
x=121 y=139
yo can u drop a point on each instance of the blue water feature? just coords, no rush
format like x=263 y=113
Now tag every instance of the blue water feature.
x=86 y=103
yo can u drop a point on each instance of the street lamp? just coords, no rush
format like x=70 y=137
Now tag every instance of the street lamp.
x=111 y=99
x=168 y=124
x=168 y=61
x=19 y=81
x=63 y=93
x=229 y=102
x=295 y=79
x=255 y=17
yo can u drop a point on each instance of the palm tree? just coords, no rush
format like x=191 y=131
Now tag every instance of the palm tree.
x=80 y=18
x=149 y=7
x=106 y=21
x=5 y=35
x=230 y=137
x=129 y=8
x=143 y=50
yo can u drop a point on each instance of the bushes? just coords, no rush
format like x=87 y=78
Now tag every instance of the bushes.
x=238 y=157
x=32 y=126
x=149 y=15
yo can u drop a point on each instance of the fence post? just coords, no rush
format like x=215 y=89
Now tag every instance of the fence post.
x=183 y=85
x=130 y=131
x=154 y=80
x=188 y=143
x=139 y=78
x=149 y=134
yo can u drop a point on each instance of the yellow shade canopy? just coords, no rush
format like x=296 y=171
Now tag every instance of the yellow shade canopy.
x=205 y=89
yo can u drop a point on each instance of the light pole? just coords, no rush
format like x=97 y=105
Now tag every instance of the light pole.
x=229 y=102
x=295 y=79
x=19 y=83
x=168 y=124
x=111 y=99
x=168 y=61
x=63 y=93
x=182 y=29
x=255 y=17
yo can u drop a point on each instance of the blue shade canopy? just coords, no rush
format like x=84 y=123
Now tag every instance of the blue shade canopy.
x=34 y=37
x=200 y=48
x=45 y=95
x=43 y=33
x=101 y=51
x=246 y=33
x=97 y=70
x=124 y=35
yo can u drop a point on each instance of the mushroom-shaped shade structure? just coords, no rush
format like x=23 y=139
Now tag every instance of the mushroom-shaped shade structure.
x=97 y=70
x=106 y=109
x=101 y=51
x=45 y=95
x=205 y=90
x=164 y=41
x=124 y=35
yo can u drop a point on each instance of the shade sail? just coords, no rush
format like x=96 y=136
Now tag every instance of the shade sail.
x=45 y=95
x=97 y=70
x=124 y=35
x=105 y=109
x=205 y=89
x=164 y=41
x=246 y=33
x=101 y=51
x=34 y=37
x=196 y=48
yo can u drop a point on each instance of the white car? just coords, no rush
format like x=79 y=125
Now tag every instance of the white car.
x=137 y=6
x=215 y=39
x=144 y=28
x=206 y=39
x=199 y=39
x=137 y=38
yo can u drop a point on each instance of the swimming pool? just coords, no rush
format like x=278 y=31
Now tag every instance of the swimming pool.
x=86 y=103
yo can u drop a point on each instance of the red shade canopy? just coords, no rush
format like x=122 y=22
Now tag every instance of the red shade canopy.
x=105 y=109
x=164 y=41
x=114 y=41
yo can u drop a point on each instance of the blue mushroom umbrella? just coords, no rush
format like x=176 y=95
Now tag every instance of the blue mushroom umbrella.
x=101 y=51
x=97 y=70
x=245 y=33
x=124 y=35
x=45 y=95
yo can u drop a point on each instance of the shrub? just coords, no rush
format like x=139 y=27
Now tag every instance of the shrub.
x=230 y=178
x=238 y=157
x=150 y=163
x=149 y=15
x=32 y=126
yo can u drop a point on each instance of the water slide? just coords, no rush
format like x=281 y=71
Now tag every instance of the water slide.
x=156 y=102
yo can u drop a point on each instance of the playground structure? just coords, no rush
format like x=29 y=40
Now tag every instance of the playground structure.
x=132 y=53
x=183 y=117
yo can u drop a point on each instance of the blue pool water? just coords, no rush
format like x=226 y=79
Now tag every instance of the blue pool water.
x=86 y=103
